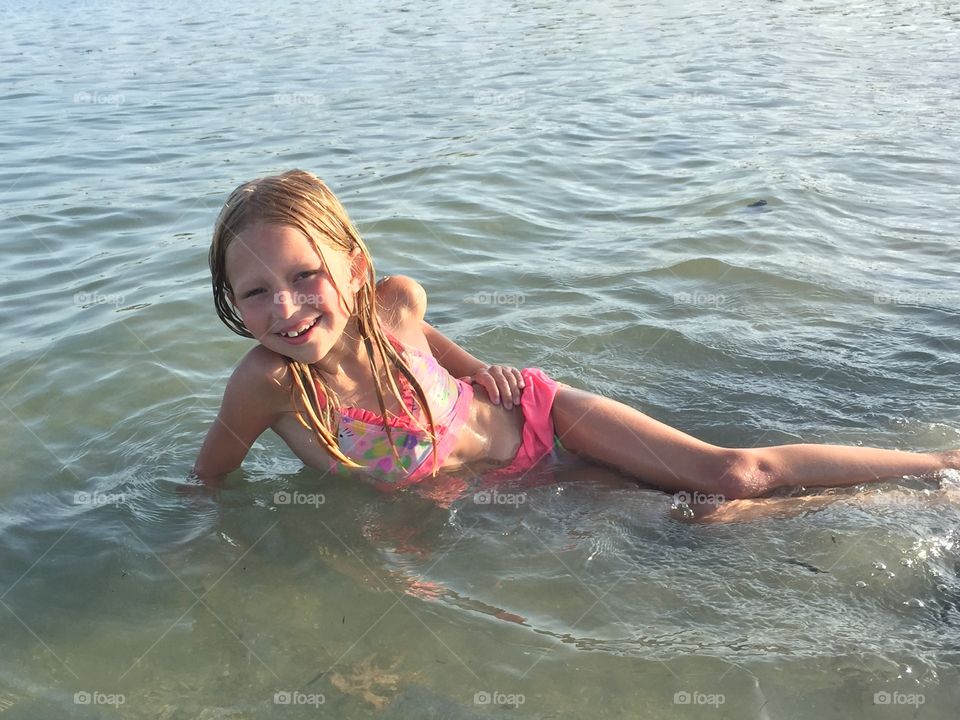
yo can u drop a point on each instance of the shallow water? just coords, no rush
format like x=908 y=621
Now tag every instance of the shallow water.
x=740 y=219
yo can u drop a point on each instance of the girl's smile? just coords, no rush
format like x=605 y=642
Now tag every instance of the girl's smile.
x=298 y=334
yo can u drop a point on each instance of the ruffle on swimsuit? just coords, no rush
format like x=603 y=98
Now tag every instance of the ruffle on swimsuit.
x=364 y=440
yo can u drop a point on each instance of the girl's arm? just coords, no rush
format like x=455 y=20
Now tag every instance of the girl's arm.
x=252 y=402
x=454 y=358
x=502 y=382
x=402 y=304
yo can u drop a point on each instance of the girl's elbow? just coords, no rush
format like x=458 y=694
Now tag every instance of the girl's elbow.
x=211 y=471
x=207 y=477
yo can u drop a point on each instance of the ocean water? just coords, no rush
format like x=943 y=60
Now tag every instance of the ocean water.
x=739 y=218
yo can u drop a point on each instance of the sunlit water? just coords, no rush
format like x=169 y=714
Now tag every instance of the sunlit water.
x=740 y=218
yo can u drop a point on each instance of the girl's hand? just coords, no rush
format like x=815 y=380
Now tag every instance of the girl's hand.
x=501 y=383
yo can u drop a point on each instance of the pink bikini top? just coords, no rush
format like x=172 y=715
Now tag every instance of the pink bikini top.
x=362 y=437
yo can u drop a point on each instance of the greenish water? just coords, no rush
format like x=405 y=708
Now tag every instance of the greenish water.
x=578 y=186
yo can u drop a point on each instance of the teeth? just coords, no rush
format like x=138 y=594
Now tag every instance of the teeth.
x=302 y=330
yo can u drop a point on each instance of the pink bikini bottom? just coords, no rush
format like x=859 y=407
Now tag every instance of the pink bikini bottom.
x=538 y=439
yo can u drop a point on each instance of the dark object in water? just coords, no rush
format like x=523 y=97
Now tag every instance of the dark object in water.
x=758 y=203
x=806 y=565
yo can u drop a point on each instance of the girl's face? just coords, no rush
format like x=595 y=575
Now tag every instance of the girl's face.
x=287 y=296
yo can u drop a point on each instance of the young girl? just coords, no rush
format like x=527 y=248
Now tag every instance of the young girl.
x=350 y=375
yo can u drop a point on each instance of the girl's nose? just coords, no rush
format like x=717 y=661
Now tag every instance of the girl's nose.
x=285 y=303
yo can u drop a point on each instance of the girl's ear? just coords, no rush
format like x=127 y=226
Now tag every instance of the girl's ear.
x=358 y=269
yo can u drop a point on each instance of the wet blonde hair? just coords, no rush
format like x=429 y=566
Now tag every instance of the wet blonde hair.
x=301 y=200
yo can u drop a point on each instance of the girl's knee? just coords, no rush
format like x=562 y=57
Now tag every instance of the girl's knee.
x=742 y=473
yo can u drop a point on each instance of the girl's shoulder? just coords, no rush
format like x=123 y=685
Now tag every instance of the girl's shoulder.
x=401 y=306
x=400 y=297
x=263 y=373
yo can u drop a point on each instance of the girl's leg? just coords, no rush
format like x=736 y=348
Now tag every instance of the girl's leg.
x=749 y=509
x=615 y=434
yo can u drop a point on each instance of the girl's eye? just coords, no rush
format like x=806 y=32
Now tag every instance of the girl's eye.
x=303 y=275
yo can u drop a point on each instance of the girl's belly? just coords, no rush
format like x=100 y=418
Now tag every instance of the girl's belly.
x=491 y=434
